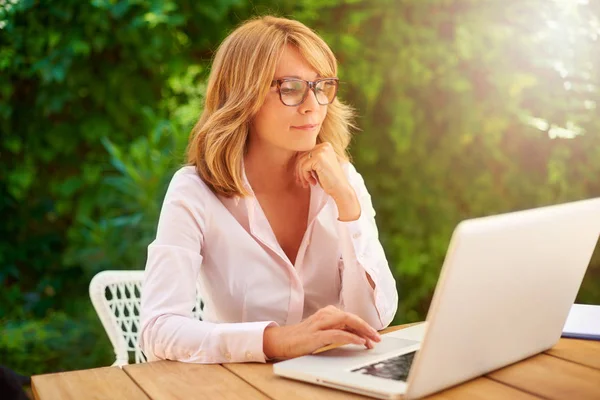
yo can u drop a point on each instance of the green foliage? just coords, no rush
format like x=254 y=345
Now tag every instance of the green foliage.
x=130 y=203
x=67 y=89
x=56 y=343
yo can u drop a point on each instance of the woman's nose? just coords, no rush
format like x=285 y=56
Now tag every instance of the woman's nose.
x=310 y=103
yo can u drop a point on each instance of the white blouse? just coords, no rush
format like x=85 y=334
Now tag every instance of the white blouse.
x=246 y=280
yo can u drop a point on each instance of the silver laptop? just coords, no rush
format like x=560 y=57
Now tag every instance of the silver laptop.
x=504 y=293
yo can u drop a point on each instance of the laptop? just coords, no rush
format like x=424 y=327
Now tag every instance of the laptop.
x=504 y=292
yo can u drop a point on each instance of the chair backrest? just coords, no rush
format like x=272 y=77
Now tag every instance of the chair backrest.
x=116 y=298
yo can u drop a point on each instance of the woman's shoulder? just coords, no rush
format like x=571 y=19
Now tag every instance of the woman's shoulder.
x=187 y=172
x=351 y=173
x=348 y=167
x=187 y=183
x=355 y=179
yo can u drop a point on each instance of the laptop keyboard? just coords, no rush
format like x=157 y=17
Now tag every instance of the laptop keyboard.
x=395 y=368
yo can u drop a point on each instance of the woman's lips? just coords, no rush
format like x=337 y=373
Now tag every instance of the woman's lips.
x=306 y=127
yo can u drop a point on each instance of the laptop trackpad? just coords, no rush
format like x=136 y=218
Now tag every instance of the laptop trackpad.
x=358 y=353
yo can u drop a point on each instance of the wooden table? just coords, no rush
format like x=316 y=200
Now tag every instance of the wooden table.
x=570 y=370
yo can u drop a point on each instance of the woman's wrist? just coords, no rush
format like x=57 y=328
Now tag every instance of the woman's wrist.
x=347 y=204
x=269 y=341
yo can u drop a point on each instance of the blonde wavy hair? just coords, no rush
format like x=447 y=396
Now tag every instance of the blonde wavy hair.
x=241 y=75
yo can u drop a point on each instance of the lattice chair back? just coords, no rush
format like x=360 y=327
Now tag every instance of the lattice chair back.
x=116 y=298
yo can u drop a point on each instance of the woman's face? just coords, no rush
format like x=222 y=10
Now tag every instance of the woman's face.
x=283 y=127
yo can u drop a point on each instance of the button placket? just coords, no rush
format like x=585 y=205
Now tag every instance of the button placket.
x=296 y=304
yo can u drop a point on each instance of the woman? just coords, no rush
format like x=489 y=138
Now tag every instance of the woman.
x=269 y=216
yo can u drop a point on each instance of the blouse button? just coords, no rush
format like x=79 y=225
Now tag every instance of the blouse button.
x=356 y=235
x=228 y=356
x=248 y=355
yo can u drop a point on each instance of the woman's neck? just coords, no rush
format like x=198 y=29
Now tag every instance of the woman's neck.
x=270 y=170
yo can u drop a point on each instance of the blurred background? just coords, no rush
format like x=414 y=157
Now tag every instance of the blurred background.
x=466 y=108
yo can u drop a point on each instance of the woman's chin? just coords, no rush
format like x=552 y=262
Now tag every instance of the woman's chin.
x=305 y=145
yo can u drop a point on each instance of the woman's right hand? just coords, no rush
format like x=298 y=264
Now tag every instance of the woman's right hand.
x=327 y=326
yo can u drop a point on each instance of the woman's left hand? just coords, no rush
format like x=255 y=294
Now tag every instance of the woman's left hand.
x=321 y=165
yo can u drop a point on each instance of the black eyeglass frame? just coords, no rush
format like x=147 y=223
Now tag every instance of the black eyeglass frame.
x=310 y=85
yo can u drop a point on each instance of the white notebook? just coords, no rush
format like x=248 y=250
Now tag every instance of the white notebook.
x=583 y=322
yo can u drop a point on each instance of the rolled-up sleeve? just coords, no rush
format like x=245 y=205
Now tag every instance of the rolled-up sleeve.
x=168 y=329
x=363 y=254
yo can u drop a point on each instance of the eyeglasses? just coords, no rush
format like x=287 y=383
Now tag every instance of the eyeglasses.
x=293 y=92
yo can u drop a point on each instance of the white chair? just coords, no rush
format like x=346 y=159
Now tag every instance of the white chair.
x=116 y=298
